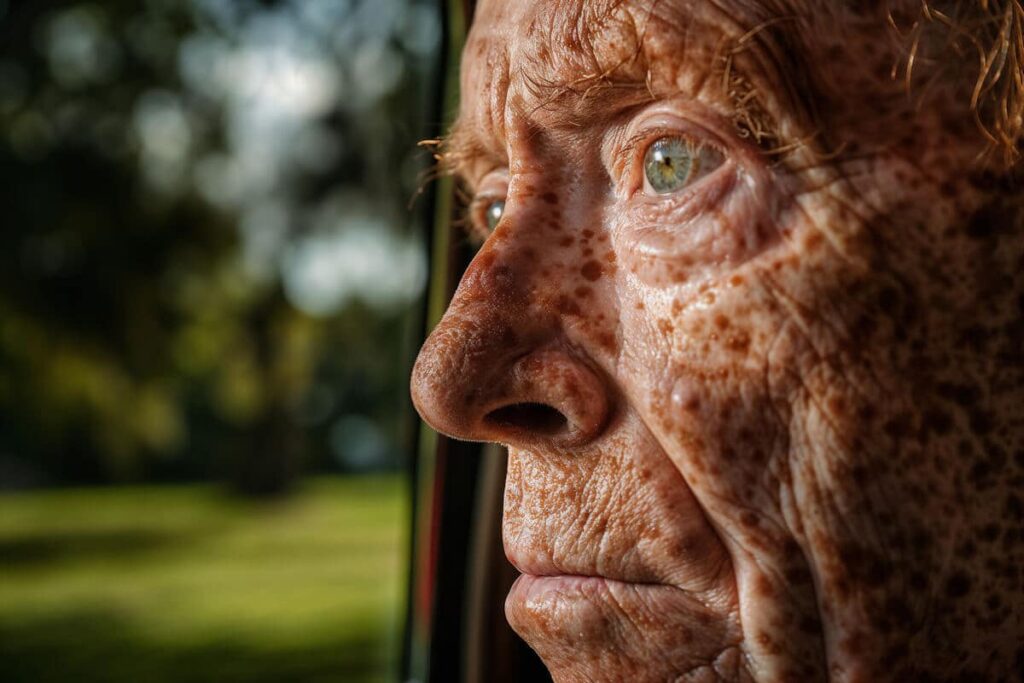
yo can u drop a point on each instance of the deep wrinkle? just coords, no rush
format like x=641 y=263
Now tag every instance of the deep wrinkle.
x=565 y=100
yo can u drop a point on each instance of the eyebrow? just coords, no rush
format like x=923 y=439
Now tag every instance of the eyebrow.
x=588 y=101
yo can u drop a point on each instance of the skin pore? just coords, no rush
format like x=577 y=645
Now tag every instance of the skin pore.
x=765 y=425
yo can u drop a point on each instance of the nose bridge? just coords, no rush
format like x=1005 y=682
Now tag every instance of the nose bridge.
x=522 y=255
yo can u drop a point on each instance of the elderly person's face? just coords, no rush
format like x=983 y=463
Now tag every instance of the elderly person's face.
x=750 y=325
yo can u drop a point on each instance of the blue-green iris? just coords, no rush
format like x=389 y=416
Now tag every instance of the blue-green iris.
x=670 y=164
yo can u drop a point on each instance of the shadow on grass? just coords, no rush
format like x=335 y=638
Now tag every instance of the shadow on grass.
x=40 y=549
x=93 y=646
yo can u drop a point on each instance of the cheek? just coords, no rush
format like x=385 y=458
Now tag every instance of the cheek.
x=731 y=218
x=577 y=281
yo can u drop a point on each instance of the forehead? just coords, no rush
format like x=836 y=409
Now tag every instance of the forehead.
x=528 y=51
x=560 y=62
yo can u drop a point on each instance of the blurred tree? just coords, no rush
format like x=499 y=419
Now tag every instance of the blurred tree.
x=207 y=262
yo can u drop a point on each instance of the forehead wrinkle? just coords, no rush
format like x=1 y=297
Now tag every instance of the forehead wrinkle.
x=561 y=87
x=579 y=64
x=567 y=80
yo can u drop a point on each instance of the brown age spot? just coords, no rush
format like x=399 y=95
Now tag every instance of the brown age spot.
x=592 y=270
x=567 y=306
x=813 y=241
x=608 y=342
x=566 y=241
x=738 y=342
x=550 y=198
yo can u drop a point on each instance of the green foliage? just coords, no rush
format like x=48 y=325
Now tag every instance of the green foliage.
x=174 y=177
x=182 y=584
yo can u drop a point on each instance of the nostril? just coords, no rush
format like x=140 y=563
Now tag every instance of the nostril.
x=538 y=418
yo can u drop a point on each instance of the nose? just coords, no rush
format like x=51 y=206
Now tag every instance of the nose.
x=498 y=367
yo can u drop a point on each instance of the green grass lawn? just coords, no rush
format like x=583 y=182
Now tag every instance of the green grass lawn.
x=186 y=584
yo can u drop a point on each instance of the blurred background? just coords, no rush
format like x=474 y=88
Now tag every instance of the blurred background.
x=212 y=265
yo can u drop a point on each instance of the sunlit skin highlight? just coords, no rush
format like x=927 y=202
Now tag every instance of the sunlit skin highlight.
x=764 y=425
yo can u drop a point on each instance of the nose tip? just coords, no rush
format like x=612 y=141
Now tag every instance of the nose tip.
x=544 y=397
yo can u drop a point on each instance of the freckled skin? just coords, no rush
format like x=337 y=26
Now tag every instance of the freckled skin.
x=767 y=429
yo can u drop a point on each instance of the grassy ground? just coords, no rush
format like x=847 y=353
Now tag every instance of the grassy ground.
x=184 y=584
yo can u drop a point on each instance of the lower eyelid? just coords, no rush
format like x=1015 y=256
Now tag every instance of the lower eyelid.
x=708 y=189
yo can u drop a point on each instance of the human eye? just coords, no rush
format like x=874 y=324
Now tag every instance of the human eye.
x=672 y=163
x=488 y=206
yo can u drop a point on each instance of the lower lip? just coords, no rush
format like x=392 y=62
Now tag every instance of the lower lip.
x=582 y=608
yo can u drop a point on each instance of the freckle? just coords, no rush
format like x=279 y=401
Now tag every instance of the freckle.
x=602 y=238
x=837 y=405
x=813 y=241
x=588 y=252
x=665 y=327
x=738 y=342
x=721 y=322
x=583 y=292
x=640 y=305
x=550 y=197
x=591 y=270
x=588 y=233
x=608 y=342
x=736 y=280
x=764 y=588
x=677 y=307
x=709 y=298
x=567 y=306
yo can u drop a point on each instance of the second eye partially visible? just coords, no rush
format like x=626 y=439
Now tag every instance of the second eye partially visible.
x=488 y=205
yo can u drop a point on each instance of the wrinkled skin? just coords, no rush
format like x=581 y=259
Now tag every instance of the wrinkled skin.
x=782 y=428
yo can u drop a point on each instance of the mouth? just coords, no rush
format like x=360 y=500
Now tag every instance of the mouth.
x=652 y=631
x=580 y=605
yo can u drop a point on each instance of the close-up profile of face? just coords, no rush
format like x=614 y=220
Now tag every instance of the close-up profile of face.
x=748 y=314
